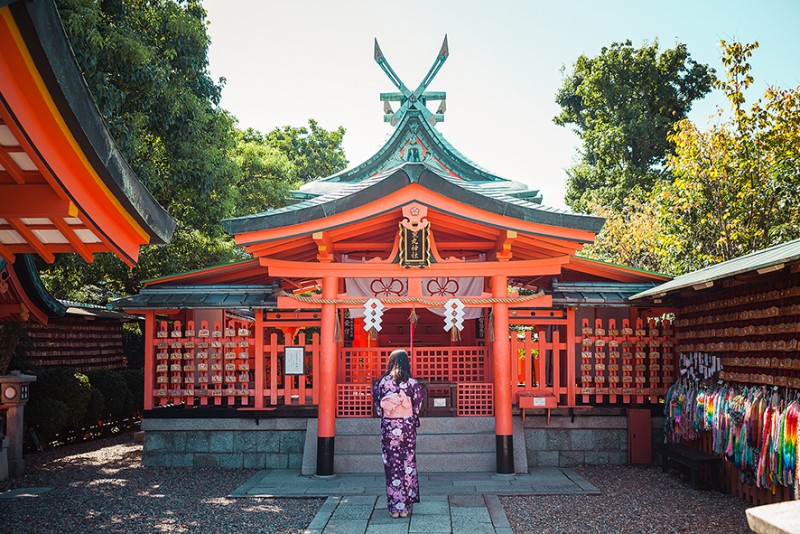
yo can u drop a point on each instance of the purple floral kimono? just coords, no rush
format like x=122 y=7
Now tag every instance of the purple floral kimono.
x=399 y=444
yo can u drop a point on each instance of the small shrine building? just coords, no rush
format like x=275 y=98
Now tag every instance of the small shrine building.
x=417 y=248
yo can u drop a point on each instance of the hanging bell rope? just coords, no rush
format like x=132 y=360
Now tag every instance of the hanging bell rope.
x=491 y=326
x=413 y=318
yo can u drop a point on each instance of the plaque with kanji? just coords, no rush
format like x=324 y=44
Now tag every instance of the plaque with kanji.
x=415 y=246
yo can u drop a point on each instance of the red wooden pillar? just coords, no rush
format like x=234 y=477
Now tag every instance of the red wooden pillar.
x=326 y=429
x=501 y=348
x=260 y=367
x=572 y=388
x=149 y=357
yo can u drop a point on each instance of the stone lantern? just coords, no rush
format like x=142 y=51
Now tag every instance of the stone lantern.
x=14 y=389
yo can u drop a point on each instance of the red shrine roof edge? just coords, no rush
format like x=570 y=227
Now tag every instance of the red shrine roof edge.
x=43 y=33
x=212 y=271
x=651 y=275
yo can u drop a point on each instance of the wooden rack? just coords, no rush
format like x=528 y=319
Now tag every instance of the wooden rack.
x=621 y=363
x=756 y=334
x=205 y=364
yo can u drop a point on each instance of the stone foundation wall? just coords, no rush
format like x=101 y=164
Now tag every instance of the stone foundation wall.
x=224 y=443
x=586 y=440
x=279 y=443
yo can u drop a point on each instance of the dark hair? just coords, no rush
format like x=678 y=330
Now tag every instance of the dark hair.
x=398 y=367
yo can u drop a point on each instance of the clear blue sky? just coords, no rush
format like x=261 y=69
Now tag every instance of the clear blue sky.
x=288 y=61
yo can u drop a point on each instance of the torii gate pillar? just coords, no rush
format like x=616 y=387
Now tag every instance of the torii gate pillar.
x=326 y=428
x=501 y=349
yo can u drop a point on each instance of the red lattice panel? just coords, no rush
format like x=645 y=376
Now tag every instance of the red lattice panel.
x=468 y=364
x=450 y=364
x=355 y=400
x=432 y=364
x=362 y=366
x=475 y=399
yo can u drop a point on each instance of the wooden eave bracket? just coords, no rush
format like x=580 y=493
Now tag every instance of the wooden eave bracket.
x=35 y=201
x=503 y=245
x=7 y=255
x=324 y=246
x=33 y=241
x=11 y=166
x=73 y=239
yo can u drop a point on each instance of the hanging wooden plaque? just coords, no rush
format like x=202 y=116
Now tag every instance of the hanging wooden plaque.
x=415 y=246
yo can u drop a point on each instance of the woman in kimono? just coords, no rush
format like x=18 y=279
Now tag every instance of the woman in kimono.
x=398 y=399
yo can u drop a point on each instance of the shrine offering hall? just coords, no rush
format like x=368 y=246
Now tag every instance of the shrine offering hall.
x=417 y=248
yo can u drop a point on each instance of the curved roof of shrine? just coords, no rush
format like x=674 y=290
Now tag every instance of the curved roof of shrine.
x=56 y=147
x=440 y=168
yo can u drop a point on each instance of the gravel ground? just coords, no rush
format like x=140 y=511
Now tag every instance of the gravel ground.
x=101 y=485
x=633 y=499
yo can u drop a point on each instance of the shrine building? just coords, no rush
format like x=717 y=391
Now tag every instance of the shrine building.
x=417 y=248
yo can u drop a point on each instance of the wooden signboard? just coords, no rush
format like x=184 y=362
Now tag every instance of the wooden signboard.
x=293 y=360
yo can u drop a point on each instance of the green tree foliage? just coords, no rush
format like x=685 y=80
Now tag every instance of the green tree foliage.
x=114 y=388
x=623 y=103
x=737 y=183
x=10 y=334
x=265 y=174
x=314 y=152
x=145 y=62
x=71 y=277
x=63 y=399
x=629 y=236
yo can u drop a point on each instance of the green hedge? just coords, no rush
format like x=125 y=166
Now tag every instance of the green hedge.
x=117 y=395
x=64 y=399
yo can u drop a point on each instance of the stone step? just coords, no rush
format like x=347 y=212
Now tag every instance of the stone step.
x=426 y=443
x=428 y=425
x=444 y=444
x=426 y=462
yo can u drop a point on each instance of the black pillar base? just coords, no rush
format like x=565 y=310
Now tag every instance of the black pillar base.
x=325 y=456
x=505 y=454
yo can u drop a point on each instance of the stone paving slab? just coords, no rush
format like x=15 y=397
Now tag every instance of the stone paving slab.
x=466 y=501
x=467 y=514
x=24 y=493
x=473 y=514
x=540 y=481
x=392 y=528
x=451 y=502
x=345 y=526
x=497 y=512
x=429 y=507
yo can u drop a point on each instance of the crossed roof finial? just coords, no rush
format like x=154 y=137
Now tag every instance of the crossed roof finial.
x=413 y=99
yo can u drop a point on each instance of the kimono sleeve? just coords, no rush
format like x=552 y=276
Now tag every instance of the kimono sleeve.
x=417 y=398
x=376 y=397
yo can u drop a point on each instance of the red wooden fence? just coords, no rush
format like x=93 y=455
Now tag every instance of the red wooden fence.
x=238 y=367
